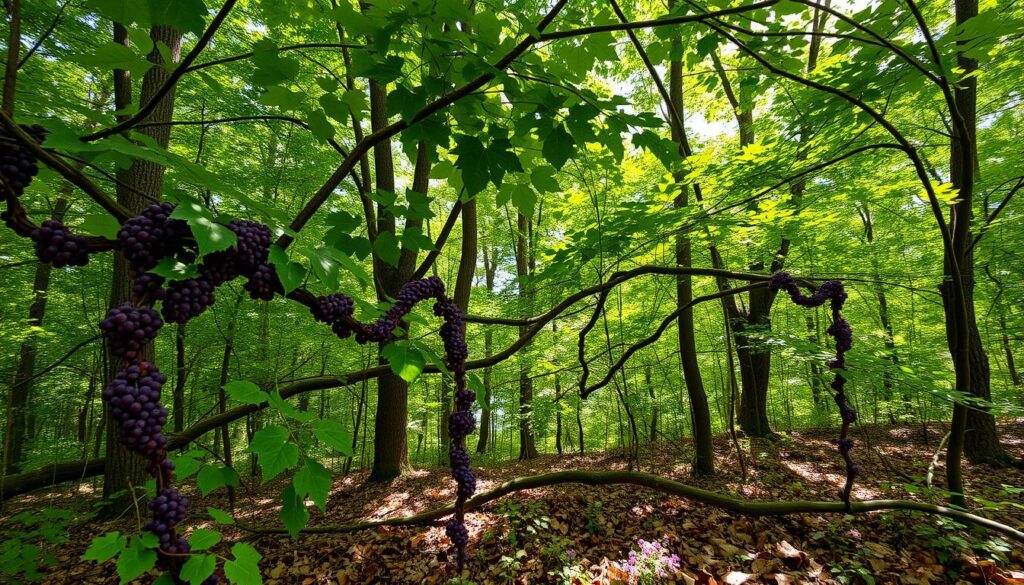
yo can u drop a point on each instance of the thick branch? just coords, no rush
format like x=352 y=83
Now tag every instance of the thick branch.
x=675 y=488
x=242 y=56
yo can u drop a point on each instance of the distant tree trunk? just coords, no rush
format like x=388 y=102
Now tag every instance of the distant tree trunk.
x=222 y=399
x=18 y=395
x=980 y=441
x=817 y=386
x=486 y=420
x=654 y=403
x=180 y=378
x=883 y=308
x=1011 y=367
x=527 y=442
x=84 y=415
x=125 y=470
x=579 y=422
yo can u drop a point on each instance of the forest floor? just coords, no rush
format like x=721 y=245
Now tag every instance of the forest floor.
x=523 y=538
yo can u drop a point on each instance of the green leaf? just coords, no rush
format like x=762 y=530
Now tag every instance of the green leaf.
x=172 y=269
x=271 y=68
x=406 y=361
x=294 y=514
x=246 y=392
x=333 y=434
x=220 y=516
x=114 y=56
x=210 y=235
x=524 y=199
x=413 y=238
x=558 y=146
x=185 y=465
x=313 y=480
x=203 y=538
x=387 y=249
x=471 y=162
x=213 y=477
x=244 y=568
x=281 y=97
x=291 y=274
x=275 y=452
x=543 y=179
x=103 y=548
x=123 y=11
x=198 y=567
x=135 y=561
x=288 y=409
x=101 y=224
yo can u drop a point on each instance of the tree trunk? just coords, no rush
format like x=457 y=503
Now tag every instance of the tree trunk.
x=527 y=442
x=490 y=271
x=19 y=393
x=1011 y=366
x=124 y=469
x=700 y=413
x=222 y=398
x=980 y=441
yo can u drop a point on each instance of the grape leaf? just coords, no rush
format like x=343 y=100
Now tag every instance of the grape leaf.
x=197 y=568
x=246 y=392
x=406 y=361
x=275 y=452
x=315 y=481
x=135 y=560
x=244 y=568
x=212 y=477
x=294 y=514
x=558 y=146
x=103 y=548
x=203 y=538
x=220 y=516
x=333 y=434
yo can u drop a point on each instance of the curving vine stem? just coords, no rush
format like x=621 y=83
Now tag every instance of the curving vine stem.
x=840 y=330
x=134 y=393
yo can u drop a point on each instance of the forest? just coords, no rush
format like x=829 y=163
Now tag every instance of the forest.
x=512 y=291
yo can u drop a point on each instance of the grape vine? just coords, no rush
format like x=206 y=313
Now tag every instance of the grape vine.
x=134 y=393
x=842 y=333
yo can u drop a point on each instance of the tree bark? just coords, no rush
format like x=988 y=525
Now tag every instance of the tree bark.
x=490 y=271
x=980 y=441
x=700 y=413
x=527 y=442
x=124 y=469
x=19 y=393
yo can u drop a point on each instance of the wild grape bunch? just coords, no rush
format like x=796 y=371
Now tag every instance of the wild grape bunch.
x=410 y=294
x=134 y=398
x=842 y=333
x=152 y=235
x=149 y=284
x=56 y=244
x=218 y=268
x=263 y=283
x=186 y=299
x=129 y=329
x=335 y=310
x=253 y=244
x=18 y=165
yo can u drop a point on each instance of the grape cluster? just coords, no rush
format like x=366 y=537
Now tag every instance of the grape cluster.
x=134 y=398
x=336 y=311
x=57 y=245
x=253 y=244
x=263 y=283
x=186 y=299
x=18 y=165
x=150 y=236
x=842 y=333
x=168 y=508
x=129 y=328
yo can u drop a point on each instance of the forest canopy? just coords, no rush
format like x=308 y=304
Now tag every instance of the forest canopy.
x=482 y=280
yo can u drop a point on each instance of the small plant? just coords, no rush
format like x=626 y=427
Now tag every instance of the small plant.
x=459 y=581
x=594 y=517
x=651 y=564
x=22 y=552
x=511 y=567
x=571 y=571
x=525 y=520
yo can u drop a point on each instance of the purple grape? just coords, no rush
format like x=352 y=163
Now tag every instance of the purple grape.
x=263 y=283
x=58 y=246
x=152 y=235
x=18 y=165
x=253 y=244
x=129 y=329
x=134 y=398
x=186 y=299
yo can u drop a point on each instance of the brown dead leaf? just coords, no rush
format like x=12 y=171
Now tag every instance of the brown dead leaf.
x=792 y=557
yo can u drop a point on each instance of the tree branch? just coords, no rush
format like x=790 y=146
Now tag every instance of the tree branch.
x=668 y=486
x=242 y=56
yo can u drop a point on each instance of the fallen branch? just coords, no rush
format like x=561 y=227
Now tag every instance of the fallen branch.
x=667 y=486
